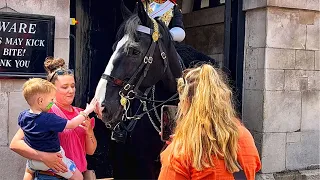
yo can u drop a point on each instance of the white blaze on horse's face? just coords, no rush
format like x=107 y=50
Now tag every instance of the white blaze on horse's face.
x=102 y=85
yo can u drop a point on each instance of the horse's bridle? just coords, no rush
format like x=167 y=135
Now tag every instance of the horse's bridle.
x=130 y=88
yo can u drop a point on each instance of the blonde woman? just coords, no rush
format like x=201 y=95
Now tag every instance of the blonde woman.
x=210 y=142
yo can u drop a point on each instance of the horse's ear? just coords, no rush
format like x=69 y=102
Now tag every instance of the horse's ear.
x=143 y=16
x=126 y=13
x=135 y=11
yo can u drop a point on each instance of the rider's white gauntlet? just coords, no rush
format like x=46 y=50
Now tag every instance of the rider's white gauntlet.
x=178 y=34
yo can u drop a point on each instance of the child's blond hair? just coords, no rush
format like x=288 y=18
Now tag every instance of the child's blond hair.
x=36 y=86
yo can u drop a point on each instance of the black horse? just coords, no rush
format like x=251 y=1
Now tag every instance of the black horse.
x=141 y=74
x=140 y=77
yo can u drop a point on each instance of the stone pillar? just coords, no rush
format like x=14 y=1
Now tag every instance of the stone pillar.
x=12 y=102
x=281 y=96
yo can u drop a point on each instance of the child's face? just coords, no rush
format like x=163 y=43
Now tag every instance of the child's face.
x=45 y=101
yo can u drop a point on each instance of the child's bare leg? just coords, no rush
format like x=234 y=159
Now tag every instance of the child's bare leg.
x=77 y=175
x=28 y=175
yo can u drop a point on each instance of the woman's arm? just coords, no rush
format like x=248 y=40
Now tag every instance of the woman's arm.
x=91 y=142
x=52 y=160
x=172 y=169
x=248 y=155
x=19 y=146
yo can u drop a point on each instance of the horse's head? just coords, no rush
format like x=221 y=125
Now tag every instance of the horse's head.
x=138 y=62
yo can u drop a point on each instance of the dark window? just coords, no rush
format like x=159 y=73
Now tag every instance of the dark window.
x=202 y=4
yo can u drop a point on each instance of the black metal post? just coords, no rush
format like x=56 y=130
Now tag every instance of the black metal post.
x=240 y=51
x=227 y=36
x=234 y=46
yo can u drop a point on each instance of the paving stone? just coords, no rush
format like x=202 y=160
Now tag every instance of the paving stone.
x=310 y=174
x=294 y=175
x=264 y=177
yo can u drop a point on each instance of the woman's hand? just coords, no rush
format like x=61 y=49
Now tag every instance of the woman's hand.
x=87 y=126
x=170 y=140
x=53 y=161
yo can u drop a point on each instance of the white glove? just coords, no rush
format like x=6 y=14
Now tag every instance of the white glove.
x=178 y=34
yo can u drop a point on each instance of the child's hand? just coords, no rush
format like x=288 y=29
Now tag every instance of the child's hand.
x=98 y=110
x=90 y=107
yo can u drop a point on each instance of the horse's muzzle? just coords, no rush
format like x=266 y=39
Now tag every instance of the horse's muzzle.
x=112 y=117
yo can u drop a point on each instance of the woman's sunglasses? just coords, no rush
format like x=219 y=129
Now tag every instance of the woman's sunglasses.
x=60 y=72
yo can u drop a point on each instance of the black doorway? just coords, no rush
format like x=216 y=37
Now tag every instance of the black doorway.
x=91 y=43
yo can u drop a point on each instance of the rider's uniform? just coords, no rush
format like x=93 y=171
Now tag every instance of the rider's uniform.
x=168 y=12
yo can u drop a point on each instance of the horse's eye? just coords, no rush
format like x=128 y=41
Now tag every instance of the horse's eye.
x=134 y=51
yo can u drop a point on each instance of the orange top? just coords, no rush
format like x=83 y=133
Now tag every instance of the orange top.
x=248 y=158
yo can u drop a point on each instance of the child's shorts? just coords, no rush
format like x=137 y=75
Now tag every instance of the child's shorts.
x=38 y=165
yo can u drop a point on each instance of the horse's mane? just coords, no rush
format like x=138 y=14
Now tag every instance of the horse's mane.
x=191 y=56
x=129 y=26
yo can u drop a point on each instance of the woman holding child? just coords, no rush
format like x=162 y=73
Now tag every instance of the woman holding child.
x=210 y=142
x=76 y=142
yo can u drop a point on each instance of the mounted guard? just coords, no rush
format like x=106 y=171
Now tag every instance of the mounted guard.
x=169 y=13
